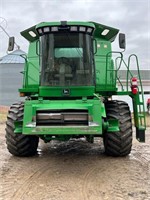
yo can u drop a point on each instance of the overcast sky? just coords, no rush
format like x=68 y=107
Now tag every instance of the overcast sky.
x=131 y=17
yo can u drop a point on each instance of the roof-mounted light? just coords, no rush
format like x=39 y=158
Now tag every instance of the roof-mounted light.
x=32 y=34
x=105 y=32
x=82 y=29
x=89 y=30
x=54 y=28
x=40 y=31
x=73 y=28
x=69 y=28
x=46 y=29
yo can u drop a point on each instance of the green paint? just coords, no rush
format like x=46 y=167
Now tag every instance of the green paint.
x=91 y=77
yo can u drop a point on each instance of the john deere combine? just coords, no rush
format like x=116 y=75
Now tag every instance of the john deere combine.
x=69 y=79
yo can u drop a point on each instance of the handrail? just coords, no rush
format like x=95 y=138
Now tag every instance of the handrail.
x=121 y=59
x=120 y=83
x=111 y=52
x=129 y=60
x=139 y=76
x=118 y=78
x=127 y=77
x=138 y=102
x=127 y=66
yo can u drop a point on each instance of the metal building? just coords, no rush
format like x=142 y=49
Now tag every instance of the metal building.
x=10 y=77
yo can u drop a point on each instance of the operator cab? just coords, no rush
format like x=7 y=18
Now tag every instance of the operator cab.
x=66 y=56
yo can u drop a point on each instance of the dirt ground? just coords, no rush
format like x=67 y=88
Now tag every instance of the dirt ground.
x=75 y=170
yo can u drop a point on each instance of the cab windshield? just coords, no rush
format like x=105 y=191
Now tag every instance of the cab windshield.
x=67 y=59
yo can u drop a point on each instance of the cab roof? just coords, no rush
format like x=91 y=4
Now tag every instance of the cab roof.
x=100 y=30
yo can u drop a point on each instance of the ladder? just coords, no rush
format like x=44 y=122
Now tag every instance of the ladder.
x=137 y=99
x=138 y=104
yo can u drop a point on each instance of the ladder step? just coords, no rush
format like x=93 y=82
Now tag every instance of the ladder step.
x=141 y=115
x=142 y=127
x=140 y=103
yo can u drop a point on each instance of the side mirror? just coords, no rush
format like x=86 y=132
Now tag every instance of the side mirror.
x=122 y=40
x=11 y=44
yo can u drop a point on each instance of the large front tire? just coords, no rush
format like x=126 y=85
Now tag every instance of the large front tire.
x=118 y=143
x=19 y=144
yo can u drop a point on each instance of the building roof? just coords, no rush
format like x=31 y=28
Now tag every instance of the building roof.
x=14 y=57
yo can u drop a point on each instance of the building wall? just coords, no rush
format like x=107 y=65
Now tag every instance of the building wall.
x=10 y=82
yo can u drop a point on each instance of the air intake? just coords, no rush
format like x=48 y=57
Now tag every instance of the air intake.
x=68 y=117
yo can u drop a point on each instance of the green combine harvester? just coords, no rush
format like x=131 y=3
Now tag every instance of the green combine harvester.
x=69 y=78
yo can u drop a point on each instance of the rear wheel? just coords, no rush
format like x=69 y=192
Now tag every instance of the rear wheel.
x=19 y=144
x=118 y=143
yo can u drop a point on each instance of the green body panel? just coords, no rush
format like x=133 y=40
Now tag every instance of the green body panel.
x=105 y=79
x=94 y=107
x=73 y=91
x=32 y=68
x=30 y=90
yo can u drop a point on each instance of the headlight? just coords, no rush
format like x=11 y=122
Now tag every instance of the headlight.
x=54 y=29
x=69 y=28
x=46 y=29
x=32 y=33
x=105 y=32
x=40 y=31
x=73 y=28
x=82 y=29
x=89 y=30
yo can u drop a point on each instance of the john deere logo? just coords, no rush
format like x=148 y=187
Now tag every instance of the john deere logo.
x=66 y=92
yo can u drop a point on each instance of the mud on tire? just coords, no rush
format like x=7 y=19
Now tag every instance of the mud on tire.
x=118 y=143
x=18 y=144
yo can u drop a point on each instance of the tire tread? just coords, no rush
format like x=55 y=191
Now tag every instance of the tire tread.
x=119 y=143
x=19 y=144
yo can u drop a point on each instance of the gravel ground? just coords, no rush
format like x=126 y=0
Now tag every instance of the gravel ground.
x=75 y=170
